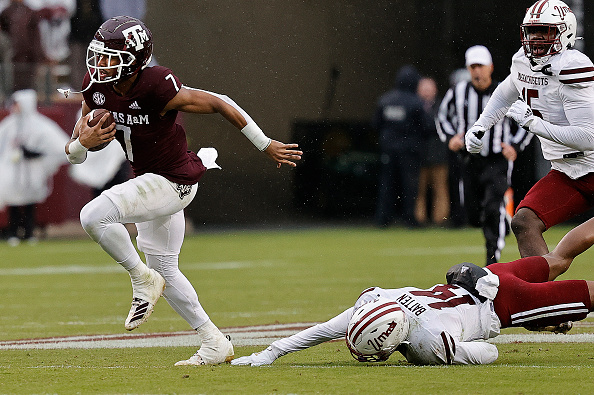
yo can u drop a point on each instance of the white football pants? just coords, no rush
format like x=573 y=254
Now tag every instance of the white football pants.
x=155 y=205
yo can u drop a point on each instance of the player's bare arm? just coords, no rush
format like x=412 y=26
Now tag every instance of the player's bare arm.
x=576 y=241
x=202 y=102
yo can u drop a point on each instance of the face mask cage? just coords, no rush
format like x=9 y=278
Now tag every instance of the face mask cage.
x=97 y=52
x=540 y=41
x=381 y=356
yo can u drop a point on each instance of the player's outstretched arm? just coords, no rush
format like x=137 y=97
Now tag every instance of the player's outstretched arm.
x=203 y=102
x=334 y=328
x=576 y=241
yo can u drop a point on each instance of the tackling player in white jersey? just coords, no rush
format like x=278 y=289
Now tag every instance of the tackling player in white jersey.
x=549 y=92
x=449 y=323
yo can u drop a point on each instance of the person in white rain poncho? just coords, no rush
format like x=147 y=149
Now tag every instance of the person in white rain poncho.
x=31 y=152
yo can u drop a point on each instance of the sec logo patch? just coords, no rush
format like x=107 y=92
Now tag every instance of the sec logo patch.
x=98 y=98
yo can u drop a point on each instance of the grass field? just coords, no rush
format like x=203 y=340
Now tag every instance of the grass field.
x=71 y=287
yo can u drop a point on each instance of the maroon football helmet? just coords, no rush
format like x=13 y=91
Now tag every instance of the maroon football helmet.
x=126 y=45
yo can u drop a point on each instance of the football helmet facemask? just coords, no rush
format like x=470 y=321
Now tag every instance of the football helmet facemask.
x=549 y=27
x=376 y=329
x=123 y=44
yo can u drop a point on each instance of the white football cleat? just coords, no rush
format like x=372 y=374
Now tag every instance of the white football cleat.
x=265 y=357
x=213 y=351
x=144 y=297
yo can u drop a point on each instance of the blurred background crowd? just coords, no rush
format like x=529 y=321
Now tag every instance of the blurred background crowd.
x=316 y=73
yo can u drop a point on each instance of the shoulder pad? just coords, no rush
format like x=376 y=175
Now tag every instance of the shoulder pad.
x=575 y=69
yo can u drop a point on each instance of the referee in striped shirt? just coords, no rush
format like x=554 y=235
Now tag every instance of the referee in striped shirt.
x=487 y=175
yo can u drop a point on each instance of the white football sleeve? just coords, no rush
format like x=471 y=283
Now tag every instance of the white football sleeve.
x=501 y=100
x=334 y=328
x=578 y=104
x=475 y=353
x=443 y=349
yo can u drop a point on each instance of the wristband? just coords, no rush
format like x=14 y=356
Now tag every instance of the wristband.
x=76 y=147
x=78 y=152
x=256 y=136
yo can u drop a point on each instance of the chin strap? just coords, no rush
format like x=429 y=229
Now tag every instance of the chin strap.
x=67 y=92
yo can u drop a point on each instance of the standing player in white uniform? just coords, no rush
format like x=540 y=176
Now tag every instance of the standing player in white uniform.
x=144 y=102
x=555 y=84
x=448 y=324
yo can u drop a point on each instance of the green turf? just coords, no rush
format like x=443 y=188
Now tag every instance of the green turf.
x=71 y=287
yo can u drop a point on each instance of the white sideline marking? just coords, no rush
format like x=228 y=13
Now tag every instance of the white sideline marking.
x=261 y=335
x=544 y=338
x=115 y=268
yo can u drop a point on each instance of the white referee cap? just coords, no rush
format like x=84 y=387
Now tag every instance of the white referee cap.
x=478 y=54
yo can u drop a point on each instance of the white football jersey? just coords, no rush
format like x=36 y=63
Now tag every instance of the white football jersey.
x=447 y=326
x=562 y=94
x=445 y=322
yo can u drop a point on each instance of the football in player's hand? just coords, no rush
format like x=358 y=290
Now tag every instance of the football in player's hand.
x=95 y=117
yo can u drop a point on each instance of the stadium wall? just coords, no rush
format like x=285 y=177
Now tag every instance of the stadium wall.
x=309 y=60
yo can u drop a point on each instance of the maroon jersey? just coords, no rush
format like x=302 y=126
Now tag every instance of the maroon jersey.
x=152 y=143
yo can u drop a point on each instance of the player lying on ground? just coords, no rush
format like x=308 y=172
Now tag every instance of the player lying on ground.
x=448 y=324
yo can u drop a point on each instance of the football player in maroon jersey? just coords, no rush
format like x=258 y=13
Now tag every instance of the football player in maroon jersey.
x=144 y=102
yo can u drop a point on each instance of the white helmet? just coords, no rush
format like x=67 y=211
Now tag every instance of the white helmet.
x=549 y=27
x=375 y=330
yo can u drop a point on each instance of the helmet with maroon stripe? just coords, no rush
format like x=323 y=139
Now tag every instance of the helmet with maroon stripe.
x=125 y=39
x=376 y=329
x=549 y=27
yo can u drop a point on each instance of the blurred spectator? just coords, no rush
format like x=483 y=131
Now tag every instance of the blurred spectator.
x=399 y=120
x=487 y=175
x=133 y=8
x=84 y=24
x=21 y=24
x=31 y=152
x=433 y=178
x=54 y=27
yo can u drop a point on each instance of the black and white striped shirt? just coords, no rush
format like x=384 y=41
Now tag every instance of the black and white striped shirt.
x=461 y=107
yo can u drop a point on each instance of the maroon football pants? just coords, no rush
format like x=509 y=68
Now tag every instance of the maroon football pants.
x=526 y=298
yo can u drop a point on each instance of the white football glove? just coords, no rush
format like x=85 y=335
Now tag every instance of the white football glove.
x=473 y=139
x=521 y=113
x=265 y=357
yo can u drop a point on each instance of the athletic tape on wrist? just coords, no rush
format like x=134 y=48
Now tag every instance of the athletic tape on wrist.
x=256 y=136
x=77 y=152
x=77 y=148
